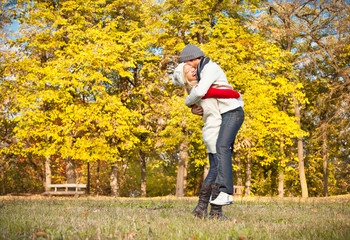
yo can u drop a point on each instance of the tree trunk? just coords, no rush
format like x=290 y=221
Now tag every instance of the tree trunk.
x=185 y=177
x=143 y=174
x=280 y=183
x=325 y=161
x=281 y=173
x=180 y=179
x=3 y=175
x=98 y=187
x=88 y=178
x=281 y=167
x=70 y=170
x=304 y=191
x=239 y=170
x=47 y=173
x=180 y=183
x=114 y=180
x=248 y=175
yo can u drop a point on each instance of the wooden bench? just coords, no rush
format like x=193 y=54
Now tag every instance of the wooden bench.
x=66 y=189
x=238 y=190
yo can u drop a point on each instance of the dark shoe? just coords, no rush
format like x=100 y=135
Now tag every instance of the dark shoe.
x=201 y=208
x=216 y=210
x=216 y=213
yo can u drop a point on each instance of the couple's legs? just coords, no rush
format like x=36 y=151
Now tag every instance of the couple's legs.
x=215 y=210
x=231 y=123
x=220 y=176
x=213 y=169
x=209 y=188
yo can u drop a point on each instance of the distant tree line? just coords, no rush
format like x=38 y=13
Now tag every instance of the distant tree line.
x=86 y=95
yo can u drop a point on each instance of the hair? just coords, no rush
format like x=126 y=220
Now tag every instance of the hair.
x=188 y=85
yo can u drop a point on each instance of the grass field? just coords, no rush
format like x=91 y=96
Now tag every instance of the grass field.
x=38 y=217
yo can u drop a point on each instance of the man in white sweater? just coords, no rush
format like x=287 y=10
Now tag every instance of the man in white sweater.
x=232 y=115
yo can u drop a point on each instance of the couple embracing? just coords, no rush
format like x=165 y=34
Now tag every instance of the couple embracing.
x=211 y=96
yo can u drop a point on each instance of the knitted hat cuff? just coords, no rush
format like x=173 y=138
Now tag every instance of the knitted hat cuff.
x=179 y=78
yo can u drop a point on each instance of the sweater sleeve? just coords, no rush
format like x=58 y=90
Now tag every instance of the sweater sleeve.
x=208 y=76
x=221 y=93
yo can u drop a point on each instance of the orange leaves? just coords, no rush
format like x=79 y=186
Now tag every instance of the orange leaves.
x=40 y=235
x=242 y=237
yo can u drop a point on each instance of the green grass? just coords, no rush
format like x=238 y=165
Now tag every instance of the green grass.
x=170 y=218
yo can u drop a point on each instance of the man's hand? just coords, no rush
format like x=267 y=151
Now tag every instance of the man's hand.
x=197 y=110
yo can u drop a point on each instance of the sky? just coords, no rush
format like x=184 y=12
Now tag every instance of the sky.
x=14 y=27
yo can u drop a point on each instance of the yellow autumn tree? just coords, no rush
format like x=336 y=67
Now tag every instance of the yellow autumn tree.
x=76 y=67
x=254 y=66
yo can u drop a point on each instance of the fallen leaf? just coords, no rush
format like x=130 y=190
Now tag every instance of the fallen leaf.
x=40 y=235
x=130 y=235
x=242 y=237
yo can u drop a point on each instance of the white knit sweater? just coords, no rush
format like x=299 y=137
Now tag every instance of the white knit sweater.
x=213 y=74
x=212 y=122
x=212 y=107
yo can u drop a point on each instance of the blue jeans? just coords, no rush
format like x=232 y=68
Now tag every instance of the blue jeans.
x=213 y=169
x=231 y=123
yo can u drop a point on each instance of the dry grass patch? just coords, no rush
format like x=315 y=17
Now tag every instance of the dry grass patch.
x=37 y=217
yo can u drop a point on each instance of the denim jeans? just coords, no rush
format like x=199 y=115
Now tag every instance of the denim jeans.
x=213 y=169
x=231 y=123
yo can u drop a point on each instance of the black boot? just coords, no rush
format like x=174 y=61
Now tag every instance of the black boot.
x=216 y=213
x=201 y=208
x=216 y=210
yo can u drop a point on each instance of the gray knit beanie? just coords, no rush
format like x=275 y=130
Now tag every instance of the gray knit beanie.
x=190 y=52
